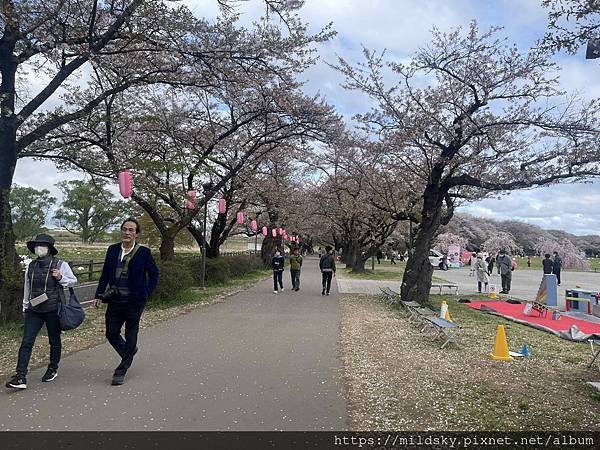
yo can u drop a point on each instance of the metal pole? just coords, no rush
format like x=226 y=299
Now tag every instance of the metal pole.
x=373 y=263
x=203 y=274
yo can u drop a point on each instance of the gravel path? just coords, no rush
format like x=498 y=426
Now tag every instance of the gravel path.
x=257 y=361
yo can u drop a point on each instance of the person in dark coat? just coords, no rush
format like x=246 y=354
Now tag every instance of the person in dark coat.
x=557 y=266
x=129 y=276
x=327 y=266
x=277 y=263
x=547 y=264
x=45 y=277
x=379 y=256
x=505 y=267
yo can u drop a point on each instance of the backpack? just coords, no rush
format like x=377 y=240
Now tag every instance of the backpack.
x=70 y=314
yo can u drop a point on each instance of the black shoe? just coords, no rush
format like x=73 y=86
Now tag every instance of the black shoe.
x=327 y=293
x=50 y=375
x=117 y=380
x=323 y=293
x=297 y=289
x=17 y=382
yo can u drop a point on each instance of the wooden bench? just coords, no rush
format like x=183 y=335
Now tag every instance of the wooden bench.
x=448 y=286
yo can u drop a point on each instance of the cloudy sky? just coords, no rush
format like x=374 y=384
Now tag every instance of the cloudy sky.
x=401 y=27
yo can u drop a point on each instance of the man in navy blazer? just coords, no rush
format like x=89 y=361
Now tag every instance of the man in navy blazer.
x=129 y=276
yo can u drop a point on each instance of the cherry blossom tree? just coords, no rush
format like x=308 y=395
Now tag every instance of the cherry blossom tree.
x=472 y=116
x=502 y=240
x=444 y=240
x=570 y=255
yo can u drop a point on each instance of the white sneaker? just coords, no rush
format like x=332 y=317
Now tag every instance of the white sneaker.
x=282 y=289
x=274 y=292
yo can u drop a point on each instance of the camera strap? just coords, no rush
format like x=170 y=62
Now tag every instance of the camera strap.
x=123 y=271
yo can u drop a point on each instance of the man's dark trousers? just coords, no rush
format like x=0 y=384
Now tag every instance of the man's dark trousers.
x=33 y=324
x=295 y=279
x=327 y=276
x=506 y=279
x=117 y=314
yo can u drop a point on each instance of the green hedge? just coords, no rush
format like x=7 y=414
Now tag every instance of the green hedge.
x=175 y=277
x=179 y=275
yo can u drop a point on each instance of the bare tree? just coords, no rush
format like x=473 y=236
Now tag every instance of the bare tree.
x=471 y=116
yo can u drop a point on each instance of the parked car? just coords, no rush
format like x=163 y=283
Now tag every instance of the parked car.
x=436 y=258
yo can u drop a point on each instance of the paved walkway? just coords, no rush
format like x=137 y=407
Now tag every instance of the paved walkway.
x=525 y=283
x=257 y=361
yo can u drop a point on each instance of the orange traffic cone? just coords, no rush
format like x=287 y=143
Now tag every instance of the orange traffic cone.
x=500 y=350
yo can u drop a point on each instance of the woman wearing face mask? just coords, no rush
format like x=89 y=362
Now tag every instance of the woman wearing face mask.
x=43 y=279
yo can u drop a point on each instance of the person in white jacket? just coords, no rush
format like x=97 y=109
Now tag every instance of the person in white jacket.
x=45 y=276
x=483 y=276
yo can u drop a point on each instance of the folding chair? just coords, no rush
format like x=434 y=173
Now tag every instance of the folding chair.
x=443 y=330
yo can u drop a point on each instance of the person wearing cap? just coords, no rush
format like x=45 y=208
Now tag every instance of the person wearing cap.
x=45 y=276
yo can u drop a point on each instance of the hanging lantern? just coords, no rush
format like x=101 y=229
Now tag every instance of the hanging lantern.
x=125 y=183
x=191 y=199
x=293 y=239
x=253 y=226
x=274 y=232
x=280 y=231
x=264 y=231
x=222 y=206
x=240 y=218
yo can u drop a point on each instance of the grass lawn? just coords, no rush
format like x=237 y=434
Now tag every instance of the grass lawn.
x=397 y=378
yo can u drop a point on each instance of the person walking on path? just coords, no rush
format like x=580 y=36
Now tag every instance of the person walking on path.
x=45 y=278
x=557 y=266
x=295 y=266
x=379 y=255
x=505 y=268
x=327 y=266
x=277 y=263
x=481 y=269
x=547 y=264
x=490 y=264
x=129 y=276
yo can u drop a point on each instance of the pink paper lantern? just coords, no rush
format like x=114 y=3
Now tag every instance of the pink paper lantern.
x=240 y=218
x=253 y=226
x=125 y=183
x=280 y=231
x=191 y=199
x=222 y=206
x=274 y=232
x=264 y=231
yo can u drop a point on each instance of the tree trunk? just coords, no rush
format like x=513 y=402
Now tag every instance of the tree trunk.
x=269 y=245
x=167 y=247
x=358 y=265
x=11 y=282
x=416 y=281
